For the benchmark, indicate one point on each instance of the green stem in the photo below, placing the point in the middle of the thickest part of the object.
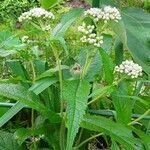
(141, 117)
(32, 110)
(87, 140)
(62, 128)
(80, 135)
(87, 64)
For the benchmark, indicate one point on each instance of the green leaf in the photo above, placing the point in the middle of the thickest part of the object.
(19, 93)
(97, 3)
(116, 131)
(75, 93)
(22, 134)
(5, 53)
(108, 66)
(48, 3)
(101, 92)
(95, 66)
(8, 142)
(66, 22)
(11, 113)
(40, 85)
(123, 105)
(50, 72)
(18, 69)
(7, 40)
(135, 35)
(114, 146)
(118, 51)
(145, 138)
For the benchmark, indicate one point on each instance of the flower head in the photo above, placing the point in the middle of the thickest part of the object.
(25, 39)
(89, 36)
(107, 13)
(129, 68)
(36, 13)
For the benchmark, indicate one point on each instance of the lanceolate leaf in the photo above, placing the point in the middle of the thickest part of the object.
(108, 66)
(19, 93)
(76, 95)
(117, 131)
(66, 21)
(40, 85)
(10, 113)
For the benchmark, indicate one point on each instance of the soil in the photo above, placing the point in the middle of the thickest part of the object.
(77, 4)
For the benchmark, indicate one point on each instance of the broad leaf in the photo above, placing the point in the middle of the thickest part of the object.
(66, 21)
(75, 93)
(118, 132)
(7, 141)
(7, 40)
(136, 35)
(19, 93)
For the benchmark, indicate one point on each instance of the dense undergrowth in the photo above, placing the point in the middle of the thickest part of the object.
(74, 78)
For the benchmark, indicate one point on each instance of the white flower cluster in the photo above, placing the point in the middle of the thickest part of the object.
(46, 28)
(129, 68)
(89, 36)
(107, 13)
(25, 39)
(36, 13)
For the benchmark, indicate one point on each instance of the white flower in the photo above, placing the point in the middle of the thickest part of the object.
(89, 36)
(36, 13)
(129, 68)
(25, 39)
(46, 28)
(106, 13)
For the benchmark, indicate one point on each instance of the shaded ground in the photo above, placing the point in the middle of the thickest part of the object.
(77, 3)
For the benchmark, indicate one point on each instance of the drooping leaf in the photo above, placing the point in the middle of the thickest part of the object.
(7, 141)
(19, 93)
(66, 21)
(75, 93)
(118, 132)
